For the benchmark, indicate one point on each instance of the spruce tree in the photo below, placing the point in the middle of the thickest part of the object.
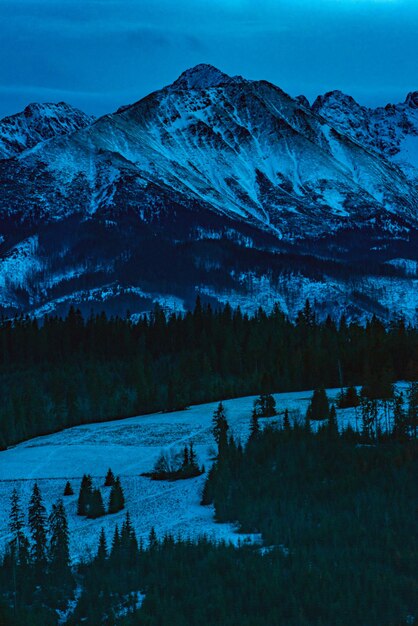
(19, 543)
(220, 428)
(318, 408)
(332, 422)
(413, 408)
(192, 458)
(84, 496)
(102, 548)
(110, 478)
(152, 539)
(286, 421)
(115, 547)
(68, 490)
(400, 418)
(117, 499)
(269, 405)
(254, 426)
(95, 507)
(59, 551)
(185, 457)
(37, 525)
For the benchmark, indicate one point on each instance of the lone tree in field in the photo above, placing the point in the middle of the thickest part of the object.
(68, 490)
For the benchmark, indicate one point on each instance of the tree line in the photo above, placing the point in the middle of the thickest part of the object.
(62, 372)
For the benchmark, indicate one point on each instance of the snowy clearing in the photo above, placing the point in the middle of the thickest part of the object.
(131, 446)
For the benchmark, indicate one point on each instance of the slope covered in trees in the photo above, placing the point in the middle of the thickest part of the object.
(69, 371)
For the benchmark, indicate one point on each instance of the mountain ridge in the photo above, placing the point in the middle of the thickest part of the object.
(201, 165)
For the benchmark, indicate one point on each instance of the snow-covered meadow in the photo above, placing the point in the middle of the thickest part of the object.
(130, 447)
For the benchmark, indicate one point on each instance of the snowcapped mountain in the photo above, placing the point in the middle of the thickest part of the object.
(36, 123)
(391, 131)
(215, 183)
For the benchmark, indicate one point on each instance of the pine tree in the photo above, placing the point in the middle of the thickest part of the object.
(185, 457)
(84, 497)
(59, 551)
(110, 478)
(286, 421)
(115, 548)
(102, 548)
(254, 426)
(413, 408)
(400, 418)
(152, 539)
(332, 422)
(37, 525)
(351, 397)
(220, 428)
(19, 543)
(117, 499)
(192, 458)
(318, 408)
(68, 490)
(95, 507)
(269, 405)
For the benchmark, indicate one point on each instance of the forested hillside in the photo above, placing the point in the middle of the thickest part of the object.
(63, 372)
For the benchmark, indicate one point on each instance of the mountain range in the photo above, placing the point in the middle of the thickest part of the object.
(215, 185)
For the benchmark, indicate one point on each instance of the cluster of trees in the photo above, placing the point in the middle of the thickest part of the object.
(90, 501)
(340, 511)
(348, 398)
(113, 367)
(318, 408)
(265, 405)
(176, 466)
(376, 417)
(40, 559)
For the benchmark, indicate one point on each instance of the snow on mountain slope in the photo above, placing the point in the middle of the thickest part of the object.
(37, 123)
(238, 159)
(242, 148)
(392, 131)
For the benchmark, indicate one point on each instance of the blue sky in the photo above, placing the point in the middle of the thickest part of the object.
(100, 54)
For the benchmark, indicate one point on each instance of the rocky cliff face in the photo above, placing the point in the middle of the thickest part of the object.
(216, 184)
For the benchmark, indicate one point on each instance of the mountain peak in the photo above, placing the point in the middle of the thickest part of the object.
(412, 99)
(334, 98)
(202, 76)
(38, 122)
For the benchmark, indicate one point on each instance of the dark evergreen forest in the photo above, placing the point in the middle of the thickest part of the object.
(62, 372)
